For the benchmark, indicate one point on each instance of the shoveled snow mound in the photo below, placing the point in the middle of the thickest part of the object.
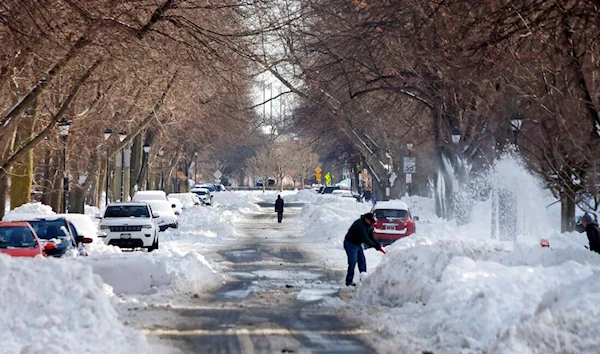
(473, 296)
(55, 306)
(164, 271)
(414, 266)
(28, 210)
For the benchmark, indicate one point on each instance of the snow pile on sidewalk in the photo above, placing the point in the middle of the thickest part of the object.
(28, 210)
(54, 306)
(452, 289)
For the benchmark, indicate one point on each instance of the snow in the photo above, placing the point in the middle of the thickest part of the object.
(445, 289)
(397, 205)
(29, 210)
(52, 306)
(453, 289)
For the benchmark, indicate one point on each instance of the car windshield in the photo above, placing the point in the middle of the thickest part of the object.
(390, 213)
(329, 190)
(16, 236)
(127, 211)
(200, 192)
(49, 229)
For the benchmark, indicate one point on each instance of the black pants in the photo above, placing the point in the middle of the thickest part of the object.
(279, 216)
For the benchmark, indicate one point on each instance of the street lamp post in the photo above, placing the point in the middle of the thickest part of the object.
(122, 136)
(147, 153)
(162, 172)
(107, 134)
(195, 167)
(409, 147)
(516, 121)
(63, 130)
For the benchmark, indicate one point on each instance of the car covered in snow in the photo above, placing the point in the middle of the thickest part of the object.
(394, 221)
(142, 196)
(188, 200)
(55, 229)
(18, 239)
(165, 212)
(130, 225)
(204, 195)
(178, 209)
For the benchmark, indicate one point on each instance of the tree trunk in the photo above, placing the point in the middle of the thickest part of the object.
(46, 176)
(3, 188)
(77, 199)
(567, 212)
(136, 164)
(56, 193)
(22, 175)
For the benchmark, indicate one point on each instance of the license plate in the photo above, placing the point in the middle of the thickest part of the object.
(390, 227)
(125, 235)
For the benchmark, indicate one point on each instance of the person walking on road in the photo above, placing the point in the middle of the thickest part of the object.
(593, 232)
(360, 232)
(279, 208)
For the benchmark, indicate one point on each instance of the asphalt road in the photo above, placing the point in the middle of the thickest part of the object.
(271, 303)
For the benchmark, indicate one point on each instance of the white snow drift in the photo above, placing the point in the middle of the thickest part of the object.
(52, 306)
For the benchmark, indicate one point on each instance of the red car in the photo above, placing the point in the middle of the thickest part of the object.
(394, 222)
(18, 239)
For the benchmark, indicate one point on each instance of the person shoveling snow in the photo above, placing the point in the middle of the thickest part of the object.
(593, 232)
(361, 232)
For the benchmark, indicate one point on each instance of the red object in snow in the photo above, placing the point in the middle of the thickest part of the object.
(544, 243)
(382, 250)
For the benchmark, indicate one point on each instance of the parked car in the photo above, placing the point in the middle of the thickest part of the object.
(220, 187)
(329, 189)
(130, 225)
(259, 182)
(187, 199)
(178, 209)
(204, 195)
(211, 187)
(18, 239)
(142, 196)
(56, 229)
(166, 215)
(343, 193)
(83, 229)
(394, 221)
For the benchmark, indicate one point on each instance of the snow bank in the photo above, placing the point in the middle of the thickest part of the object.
(453, 289)
(49, 305)
(28, 210)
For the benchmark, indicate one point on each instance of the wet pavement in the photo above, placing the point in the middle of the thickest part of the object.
(271, 304)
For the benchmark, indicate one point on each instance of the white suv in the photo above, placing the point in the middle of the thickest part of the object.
(130, 225)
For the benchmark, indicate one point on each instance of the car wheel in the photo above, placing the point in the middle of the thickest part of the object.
(154, 245)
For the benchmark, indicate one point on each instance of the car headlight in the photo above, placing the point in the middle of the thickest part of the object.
(104, 227)
(146, 226)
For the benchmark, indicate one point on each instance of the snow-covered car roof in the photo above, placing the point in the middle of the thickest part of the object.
(199, 189)
(129, 203)
(150, 195)
(393, 204)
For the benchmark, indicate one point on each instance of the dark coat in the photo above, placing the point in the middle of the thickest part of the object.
(593, 234)
(360, 233)
(279, 205)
